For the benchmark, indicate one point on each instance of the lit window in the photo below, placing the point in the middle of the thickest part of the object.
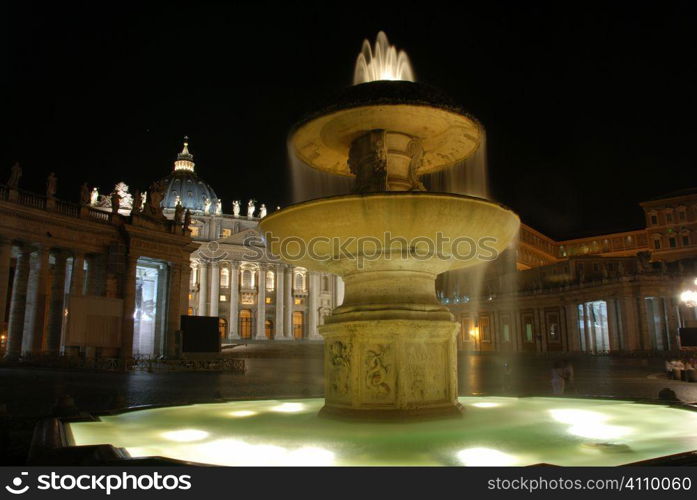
(268, 300)
(225, 233)
(225, 277)
(270, 280)
(299, 281)
(194, 231)
(223, 298)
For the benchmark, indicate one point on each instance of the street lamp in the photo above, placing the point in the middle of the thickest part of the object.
(689, 296)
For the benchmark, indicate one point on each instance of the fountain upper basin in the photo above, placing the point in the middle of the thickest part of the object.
(370, 231)
(322, 139)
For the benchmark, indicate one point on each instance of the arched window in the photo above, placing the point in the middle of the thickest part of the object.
(270, 280)
(298, 324)
(222, 328)
(299, 281)
(268, 329)
(247, 278)
(245, 323)
(224, 277)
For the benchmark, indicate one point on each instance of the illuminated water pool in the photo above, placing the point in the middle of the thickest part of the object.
(494, 431)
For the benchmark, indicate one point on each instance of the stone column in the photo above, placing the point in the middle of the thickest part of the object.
(129, 307)
(312, 309)
(339, 291)
(96, 275)
(37, 297)
(261, 303)
(202, 288)
(77, 279)
(646, 342)
(612, 325)
(280, 333)
(18, 304)
(176, 282)
(215, 289)
(5, 257)
(55, 313)
(630, 327)
(289, 303)
(233, 325)
(571, 318)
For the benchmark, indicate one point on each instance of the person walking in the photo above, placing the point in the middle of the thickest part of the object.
(558, 378)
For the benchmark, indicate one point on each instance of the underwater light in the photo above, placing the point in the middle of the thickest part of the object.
(242, 413)
(473, 457)
(486, 405)
(580, 417)
(185, 435)
(595, 430)
(289, 407)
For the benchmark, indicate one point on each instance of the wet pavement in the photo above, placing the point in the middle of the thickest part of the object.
(297, 372)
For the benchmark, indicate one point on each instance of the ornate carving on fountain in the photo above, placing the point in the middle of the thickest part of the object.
(378, 372)
(339, 369)
(383, 160)
(368, 162)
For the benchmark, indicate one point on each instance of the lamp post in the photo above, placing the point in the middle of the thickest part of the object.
(689, 296)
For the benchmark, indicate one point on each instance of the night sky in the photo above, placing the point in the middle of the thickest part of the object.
(588, 110)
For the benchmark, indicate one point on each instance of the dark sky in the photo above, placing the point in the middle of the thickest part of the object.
(588, 109)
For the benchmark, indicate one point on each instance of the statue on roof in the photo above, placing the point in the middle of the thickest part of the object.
(15, 174)
(262, 211)
(179, 214)
(51, 183)
(137, 202)
(94, 196)
(187, 221)
(84, 194)
(218, 207)
(250, 209)
(236, 208)
(115, 202)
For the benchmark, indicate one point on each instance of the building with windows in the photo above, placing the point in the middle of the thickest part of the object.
(82, 281)
(609, 293)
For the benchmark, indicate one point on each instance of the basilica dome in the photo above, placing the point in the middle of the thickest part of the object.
(185, 187)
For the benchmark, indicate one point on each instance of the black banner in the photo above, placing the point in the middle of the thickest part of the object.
(221, 482)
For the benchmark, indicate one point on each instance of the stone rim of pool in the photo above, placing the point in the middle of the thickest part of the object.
(561, 431)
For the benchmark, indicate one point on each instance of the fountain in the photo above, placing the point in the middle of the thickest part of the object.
(390, 351)
(390, 348)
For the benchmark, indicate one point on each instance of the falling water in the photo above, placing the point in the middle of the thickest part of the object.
(309, 183)
(381, 62)
(470, 177)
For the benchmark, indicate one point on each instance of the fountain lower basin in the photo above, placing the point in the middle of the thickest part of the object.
(498, 431)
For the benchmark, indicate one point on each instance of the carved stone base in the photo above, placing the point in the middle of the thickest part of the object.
(390, 369)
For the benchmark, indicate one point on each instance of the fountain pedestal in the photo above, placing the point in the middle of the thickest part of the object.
(390, 368)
